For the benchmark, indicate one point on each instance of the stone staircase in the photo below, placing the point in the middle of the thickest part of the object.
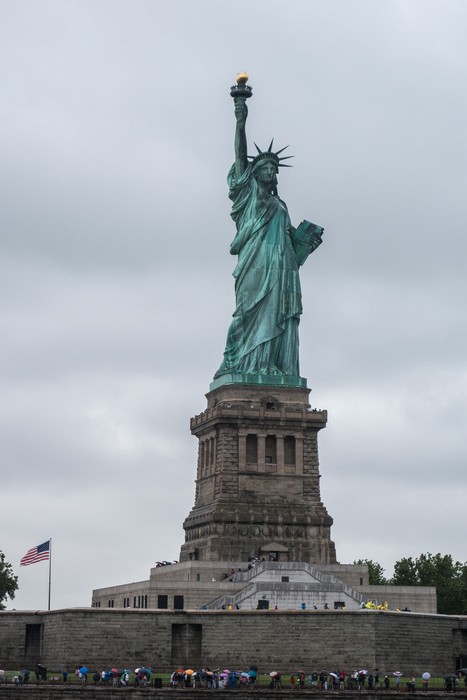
(310, 584)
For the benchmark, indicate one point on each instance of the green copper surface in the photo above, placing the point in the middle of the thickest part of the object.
(264, 379)
(262, 341)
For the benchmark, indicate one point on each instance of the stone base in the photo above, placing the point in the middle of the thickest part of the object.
(258, 585)
(257, 487)
(199, 585)
(271, 639)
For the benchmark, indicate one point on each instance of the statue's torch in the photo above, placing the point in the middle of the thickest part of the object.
(241, 89)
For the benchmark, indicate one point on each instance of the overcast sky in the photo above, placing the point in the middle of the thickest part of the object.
(116, 288)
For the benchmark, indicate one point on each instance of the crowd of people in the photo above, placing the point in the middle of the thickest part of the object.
(357, 680)
(111, 677)
(371, 605)
(114, 677)
(213, 678)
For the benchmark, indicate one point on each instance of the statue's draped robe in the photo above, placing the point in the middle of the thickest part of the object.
(263, 335)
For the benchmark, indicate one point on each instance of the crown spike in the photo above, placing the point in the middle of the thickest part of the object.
(269, 155)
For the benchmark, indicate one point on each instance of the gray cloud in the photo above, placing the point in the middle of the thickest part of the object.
(116, 284)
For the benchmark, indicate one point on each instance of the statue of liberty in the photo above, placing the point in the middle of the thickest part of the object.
(262, 341)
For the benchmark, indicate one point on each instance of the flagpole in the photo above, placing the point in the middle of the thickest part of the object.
(50, 568)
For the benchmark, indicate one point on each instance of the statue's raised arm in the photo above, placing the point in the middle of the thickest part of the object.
(240, 93)
(241, 149)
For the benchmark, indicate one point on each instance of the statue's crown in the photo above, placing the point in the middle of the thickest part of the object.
(270, 155)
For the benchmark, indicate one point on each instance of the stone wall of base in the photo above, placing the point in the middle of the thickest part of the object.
(415, 598)
(272, 640)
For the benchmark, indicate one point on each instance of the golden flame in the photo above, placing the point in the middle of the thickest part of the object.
(242, 78)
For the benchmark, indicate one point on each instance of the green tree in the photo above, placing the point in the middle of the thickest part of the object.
(8, 581)
(439, 570)
(375, 572)
(405, 573)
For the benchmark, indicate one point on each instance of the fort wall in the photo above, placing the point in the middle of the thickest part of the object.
(285, 640)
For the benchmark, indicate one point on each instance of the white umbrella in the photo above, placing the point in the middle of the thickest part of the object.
(426, 676)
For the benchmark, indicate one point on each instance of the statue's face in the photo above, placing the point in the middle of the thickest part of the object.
(266, 172)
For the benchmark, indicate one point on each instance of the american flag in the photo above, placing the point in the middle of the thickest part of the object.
(39, 553)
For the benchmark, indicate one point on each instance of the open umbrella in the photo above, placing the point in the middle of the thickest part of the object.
(244, 674)
(334, 675)
(397, 673)
(426, 676)
(189, 671)
(462, 670)
(273, 674)
(83, 670)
